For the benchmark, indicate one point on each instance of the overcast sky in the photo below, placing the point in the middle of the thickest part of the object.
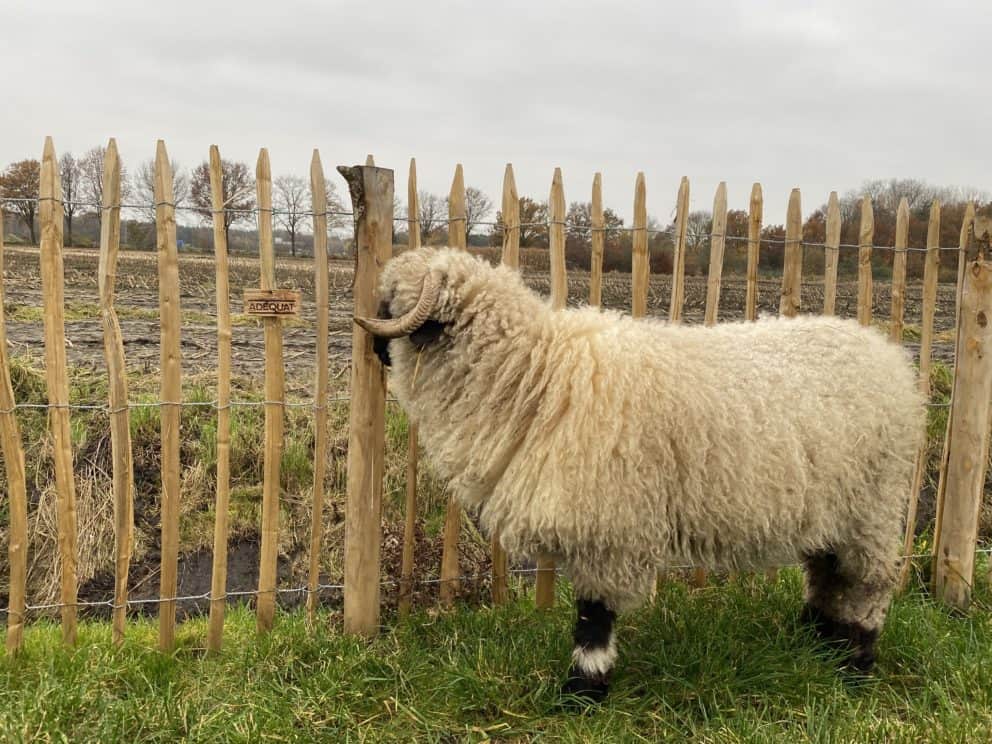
(817, 95)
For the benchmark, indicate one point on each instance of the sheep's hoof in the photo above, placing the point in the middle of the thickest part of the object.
(580, 690)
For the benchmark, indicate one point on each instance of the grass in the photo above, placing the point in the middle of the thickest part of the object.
(723, 664)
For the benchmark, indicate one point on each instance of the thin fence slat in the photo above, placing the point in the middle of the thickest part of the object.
(793, 262)
(754, 217)
(544, 591)
(218, 581)
(113, 353)
(170, 391)
(931, 275)
(511, 219)
(866, 236)
(321, 290)
(831, 255)
(714, 276)
(899, 272)
(640, 269)
(510, 257)
(57, 379)
(410, 520)
(598, 240)
(968, 435)
(450, 567)
(17, 500)
(371, 191)
(678, 254)
(966, 222)
(275, 394)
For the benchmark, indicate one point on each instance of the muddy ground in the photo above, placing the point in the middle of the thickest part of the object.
(137, 305)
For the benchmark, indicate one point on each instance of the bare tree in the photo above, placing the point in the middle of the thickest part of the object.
(22, 181)
(292, 205)
(697, 229)
(478, 206)
(238, 191)
(91, 179)
(433, 211)
(143, 190)
(71, 171)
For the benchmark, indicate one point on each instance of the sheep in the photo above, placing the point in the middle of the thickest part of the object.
(620, 447)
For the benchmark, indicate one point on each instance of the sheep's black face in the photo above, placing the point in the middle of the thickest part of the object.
(381, 345)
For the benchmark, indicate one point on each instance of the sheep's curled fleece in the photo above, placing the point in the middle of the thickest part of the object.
(621, 446)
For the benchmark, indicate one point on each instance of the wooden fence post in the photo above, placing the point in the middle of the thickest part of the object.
(218, 582)
(831, 255)
(931, 271)
(318, 201)
(410, 522)
(718, 235)
(544, 591)
(450, 565)
(640, 268)
(754, 217)
(170, 391)
(793, 261)
(113, 353)
(57, 377)
(275, 395)
(371, 191)
(969, 440)
(13, 460)
(899, 271)
(511, 220)
(597, 238)
(678, 257)
(966, 223)
(866, 235)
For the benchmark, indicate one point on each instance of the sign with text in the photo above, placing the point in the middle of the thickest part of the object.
(272, 303)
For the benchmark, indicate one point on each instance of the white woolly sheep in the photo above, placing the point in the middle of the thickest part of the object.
(620, 447)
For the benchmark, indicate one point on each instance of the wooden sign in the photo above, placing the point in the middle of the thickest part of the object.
(272, 303)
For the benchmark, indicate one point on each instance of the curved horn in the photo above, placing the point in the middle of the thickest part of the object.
(407, 324)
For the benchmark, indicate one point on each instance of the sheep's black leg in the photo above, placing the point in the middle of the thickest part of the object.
(845, 608)
(594, 653)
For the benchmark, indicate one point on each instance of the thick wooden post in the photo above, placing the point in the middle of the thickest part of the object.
(899, 272)
(831, 255)
(13, 460)
(866, 236)
(969, 440)
(793, 262)
(170, 391)
(57, 378)
(410, 523)
(318, 201)
(457, 217)
(113, 354)
(511, 219)
(371, 191)
(678, 257)
(598, 241)
(640, 269)
(754, 217)
(218, 582)
(964, 236)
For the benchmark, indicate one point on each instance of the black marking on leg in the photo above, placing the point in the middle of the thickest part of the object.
(594, 645)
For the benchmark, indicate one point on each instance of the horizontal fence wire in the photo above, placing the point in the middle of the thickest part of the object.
(179, 206)
(304, 590)
(104, 408)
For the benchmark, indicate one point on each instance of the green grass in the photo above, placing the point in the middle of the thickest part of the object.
(723, 664)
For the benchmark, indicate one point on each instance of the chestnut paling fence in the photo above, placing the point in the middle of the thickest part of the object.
(961, 468)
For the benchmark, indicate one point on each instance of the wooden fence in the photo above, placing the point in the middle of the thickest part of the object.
(962, 466)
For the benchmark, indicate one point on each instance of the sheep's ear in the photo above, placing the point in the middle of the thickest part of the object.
(428, 333)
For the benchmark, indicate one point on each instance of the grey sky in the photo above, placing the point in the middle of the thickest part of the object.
(817, 95)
